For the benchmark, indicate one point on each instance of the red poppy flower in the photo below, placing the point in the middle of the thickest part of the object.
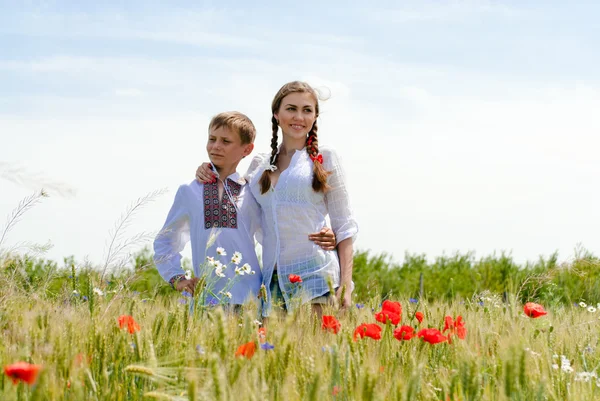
(23, 371)
(368, 330)
(432, 336)
(534, 310)
(455, 326)
(129, 322)
(336, 390)
(246, 350)
(391, 311)
(294, 278)
(262, 334)
(404, 333)
(330, 323)
(419, 316)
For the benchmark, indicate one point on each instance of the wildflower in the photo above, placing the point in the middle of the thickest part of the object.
(98, 291)
(22, 371)
(127, 320)
(76, 293)
(413, 300)
(432, 336)
(585, 376)
(85, 298)
(534, 310)
(419, 316)
(368, 330)
(583, 304)
(200, 350)
(565, 364)
(330, 323)
(591, 309)
(186, 294)
(294, 278)
(236, 258)
(404, 333)
(555, 366)
(182, 301)
(221, 251)
(360, 306)
(246, 350)
(336, 390)
(262, 334)
(247, 269)
(257, 322)
(267, 346)
(226, 293)
(391, 311)
(456, 327)
(188, 274)
(239, 271)
(211, 261)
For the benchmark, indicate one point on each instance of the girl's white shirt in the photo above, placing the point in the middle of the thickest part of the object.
(290, 211)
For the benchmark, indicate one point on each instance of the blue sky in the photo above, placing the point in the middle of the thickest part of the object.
(464, 125)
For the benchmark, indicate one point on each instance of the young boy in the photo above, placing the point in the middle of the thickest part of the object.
(220, 218)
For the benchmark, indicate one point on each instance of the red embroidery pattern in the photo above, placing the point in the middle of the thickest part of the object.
(220, 213)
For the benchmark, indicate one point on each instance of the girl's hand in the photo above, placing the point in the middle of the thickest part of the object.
(347, 300)
(324, 238)
(204, 174)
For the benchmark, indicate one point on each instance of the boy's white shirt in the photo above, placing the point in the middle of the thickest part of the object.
(185, 222)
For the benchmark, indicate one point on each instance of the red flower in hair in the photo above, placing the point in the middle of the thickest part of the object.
(419, 316)
(294, 278)
(330, 323)
(129, 321)
(246, 350)
(318, 158)
(391, 311)
(456, 327)
(432, 336)
(23, 371)
(404, 333)
(368, 330)
(534, 310)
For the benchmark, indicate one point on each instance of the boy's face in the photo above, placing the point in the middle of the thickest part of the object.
(225, 148)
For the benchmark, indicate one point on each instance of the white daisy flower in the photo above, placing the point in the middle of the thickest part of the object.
(210, 260)
(239, 271)
(236, 258)
(221, 251)
(257, 322)
(188, 274)
(247, 269)
(591, 309)
(583, 304)
(98, 291)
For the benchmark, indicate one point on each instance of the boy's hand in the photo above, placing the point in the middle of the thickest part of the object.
(324, 238)
(204, 174)
(187, 285)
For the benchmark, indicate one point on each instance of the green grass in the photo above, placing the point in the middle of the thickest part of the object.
(85, 356)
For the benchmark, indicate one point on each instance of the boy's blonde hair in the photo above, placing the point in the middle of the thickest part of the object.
(236, 122)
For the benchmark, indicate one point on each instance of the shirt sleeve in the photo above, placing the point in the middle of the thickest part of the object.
(173, 237)
(337, 199)
(254, 214)
(256, 166)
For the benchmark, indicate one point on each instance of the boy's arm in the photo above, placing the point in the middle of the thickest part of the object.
(171, 240)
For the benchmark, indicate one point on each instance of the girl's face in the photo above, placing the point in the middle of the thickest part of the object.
(297, 114)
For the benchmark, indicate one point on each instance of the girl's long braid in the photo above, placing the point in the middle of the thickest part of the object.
(265, 179)
(319, 181)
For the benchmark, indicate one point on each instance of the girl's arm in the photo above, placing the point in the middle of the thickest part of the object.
(346, 255)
